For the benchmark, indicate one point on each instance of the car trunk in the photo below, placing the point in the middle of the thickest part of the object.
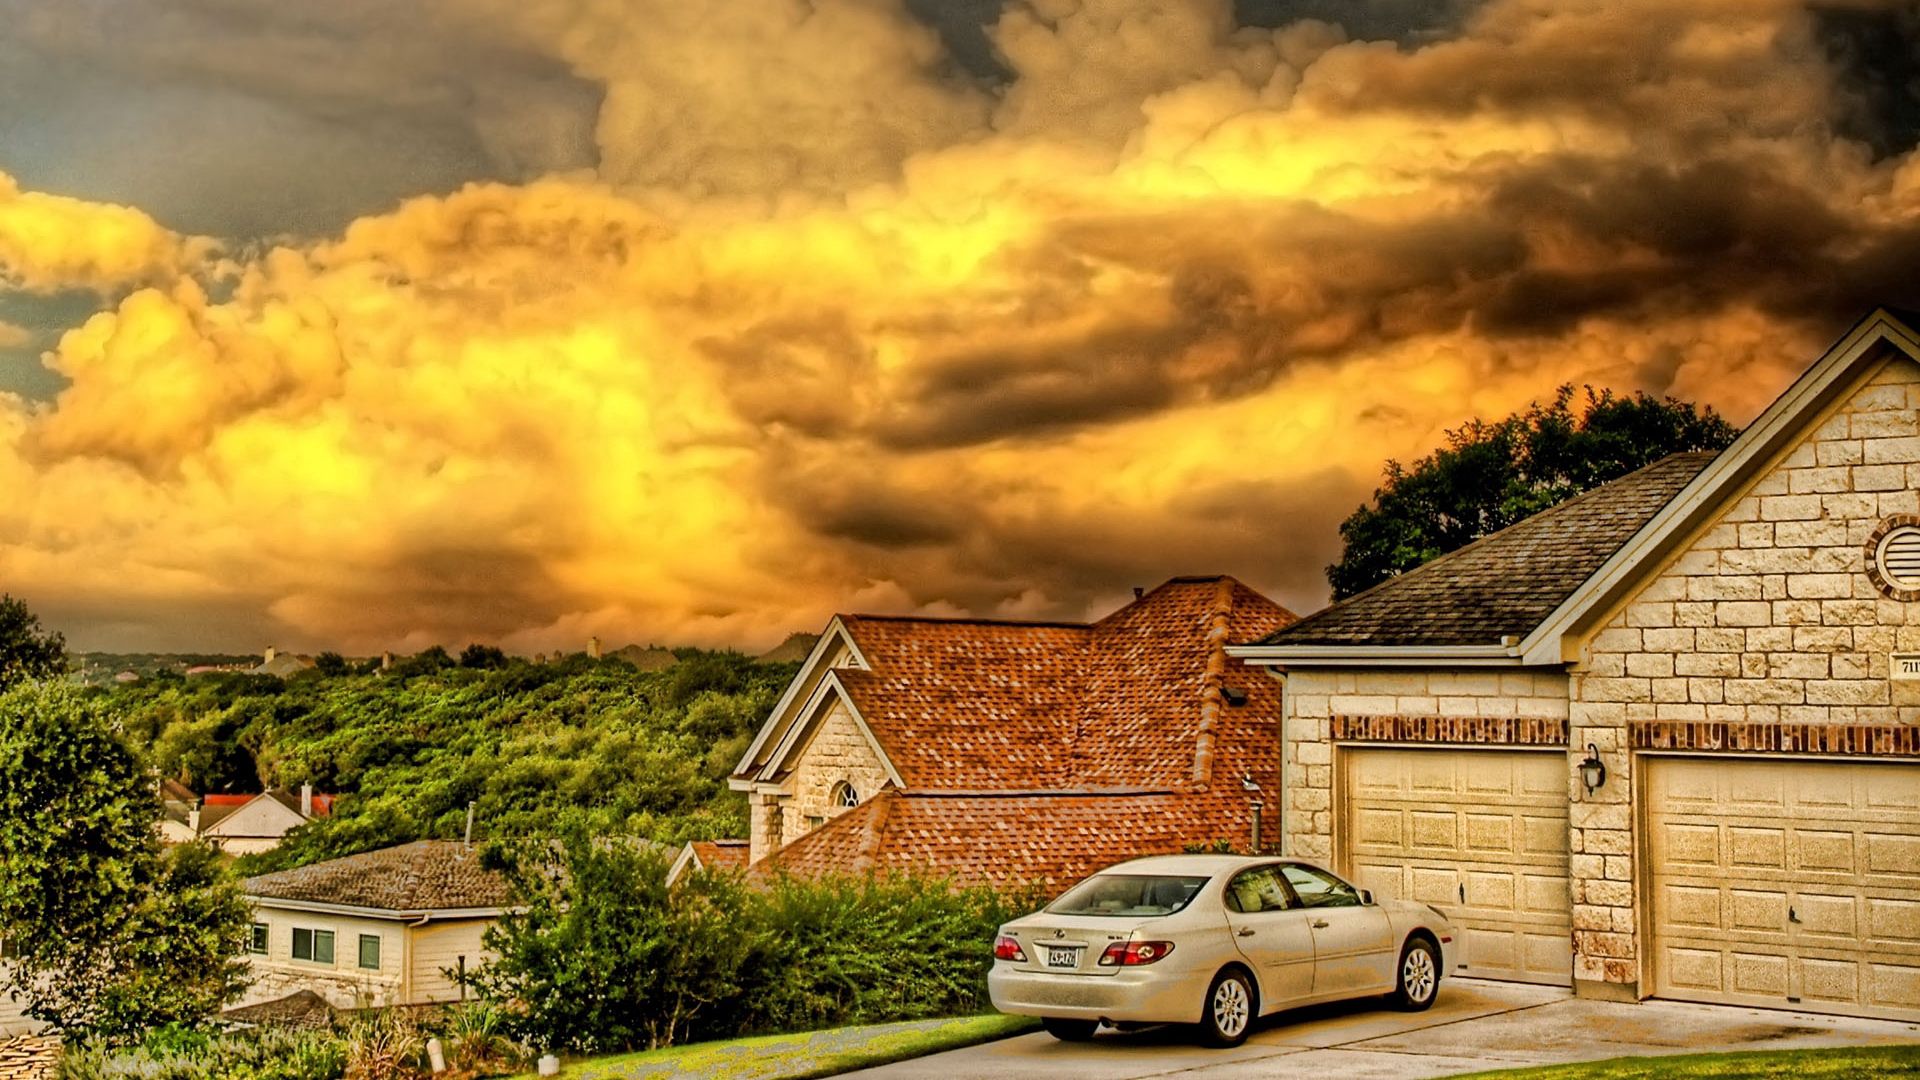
(1047, 938)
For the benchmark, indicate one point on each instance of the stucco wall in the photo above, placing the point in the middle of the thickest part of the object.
(1312, 698)
(1767, 617)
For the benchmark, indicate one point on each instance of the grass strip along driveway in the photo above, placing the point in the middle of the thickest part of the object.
(808, 1054)
(1842, 1063)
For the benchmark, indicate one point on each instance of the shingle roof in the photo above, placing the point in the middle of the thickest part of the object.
(1503, 584)
(977, 705)
(1012, 839)
(427, 875)
(721, 854)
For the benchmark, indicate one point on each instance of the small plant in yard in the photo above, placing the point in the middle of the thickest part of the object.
(182, 1054)
(385, 1045)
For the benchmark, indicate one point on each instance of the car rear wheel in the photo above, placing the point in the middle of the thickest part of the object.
(1419, 975)
(1229, 1011)
(1069, 1030)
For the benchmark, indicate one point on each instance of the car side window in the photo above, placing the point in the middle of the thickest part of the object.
(1258, 889)
(1318, 889)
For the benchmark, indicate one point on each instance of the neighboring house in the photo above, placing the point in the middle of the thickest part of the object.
(238, 824)
(275, 662)
(1019, 752)
(709, 855)
(1735, 638)
(388, 927)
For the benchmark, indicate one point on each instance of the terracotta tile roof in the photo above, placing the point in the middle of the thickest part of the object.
(427, 875)
(718, 854)
(981, 705)
(1013, 839)
(1507, 583)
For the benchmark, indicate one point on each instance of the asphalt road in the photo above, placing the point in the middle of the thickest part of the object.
(1473, 1026)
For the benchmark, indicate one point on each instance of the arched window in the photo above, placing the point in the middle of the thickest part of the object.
(843, 797)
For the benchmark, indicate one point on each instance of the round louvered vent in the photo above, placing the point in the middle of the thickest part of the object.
(1898, 557)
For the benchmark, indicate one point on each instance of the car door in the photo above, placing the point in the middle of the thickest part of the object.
(1270, 929)
(1353, 947)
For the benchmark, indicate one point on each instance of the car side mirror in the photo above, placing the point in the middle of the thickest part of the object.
(1366, 897)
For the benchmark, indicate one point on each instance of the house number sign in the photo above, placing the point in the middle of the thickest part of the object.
(1904, 666)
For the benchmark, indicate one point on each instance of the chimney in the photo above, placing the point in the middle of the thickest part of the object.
(386, 661)
(1138, 592)
(306, 800)
(270, 654)
(193, 818)
(593, 648)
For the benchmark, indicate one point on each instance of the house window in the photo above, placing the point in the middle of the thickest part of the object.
(257, 939)
(314, 945)
(814, 821)
(9, 950)
(370, 951)
(844, 797)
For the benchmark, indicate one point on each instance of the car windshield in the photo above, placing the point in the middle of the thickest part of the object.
(1128, 894)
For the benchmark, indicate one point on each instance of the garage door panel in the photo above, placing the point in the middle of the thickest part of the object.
(1481, 834)
(1786, 883)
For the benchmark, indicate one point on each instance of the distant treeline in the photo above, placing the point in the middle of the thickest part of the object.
(532, 746)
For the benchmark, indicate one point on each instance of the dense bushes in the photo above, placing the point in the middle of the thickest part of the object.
(606, 958)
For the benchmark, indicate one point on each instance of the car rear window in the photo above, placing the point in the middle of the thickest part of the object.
(1128, 894)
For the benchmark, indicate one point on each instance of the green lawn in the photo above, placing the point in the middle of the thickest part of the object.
(1843, 1063)
(808, 1054)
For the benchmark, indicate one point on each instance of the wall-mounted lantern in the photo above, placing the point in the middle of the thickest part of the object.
(1593, 771)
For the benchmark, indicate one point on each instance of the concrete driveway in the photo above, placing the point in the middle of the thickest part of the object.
(1474, 1025)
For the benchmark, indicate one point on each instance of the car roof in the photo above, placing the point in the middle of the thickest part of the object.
(1188, 864)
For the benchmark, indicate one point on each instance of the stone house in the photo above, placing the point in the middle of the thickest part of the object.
(389, 927)
(1663, 739)
(1019, 752)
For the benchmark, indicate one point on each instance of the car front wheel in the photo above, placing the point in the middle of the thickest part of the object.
(1229, 1011)
(1069, 1030)
(1419, 975)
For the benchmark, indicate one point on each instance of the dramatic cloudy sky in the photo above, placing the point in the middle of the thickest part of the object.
(368, 325)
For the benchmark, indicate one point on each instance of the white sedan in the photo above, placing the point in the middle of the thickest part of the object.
(1216, 940)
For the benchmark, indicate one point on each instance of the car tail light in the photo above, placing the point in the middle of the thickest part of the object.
(1005, 948)
(1134, 953)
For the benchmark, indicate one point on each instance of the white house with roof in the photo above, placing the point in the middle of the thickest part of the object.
(396, 926)
(1662, 740)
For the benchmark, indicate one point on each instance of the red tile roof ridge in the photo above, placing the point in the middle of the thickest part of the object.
(1219, 623)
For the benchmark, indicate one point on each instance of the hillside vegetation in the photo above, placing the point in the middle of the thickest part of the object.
(601, 743)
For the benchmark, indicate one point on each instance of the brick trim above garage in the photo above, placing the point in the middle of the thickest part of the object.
(1849, 740)
(1450, 730)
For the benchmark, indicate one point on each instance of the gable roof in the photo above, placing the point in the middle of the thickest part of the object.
(1010, 839)
(1505, 584)
(1133, 700)
(424, 876)
(709, 855)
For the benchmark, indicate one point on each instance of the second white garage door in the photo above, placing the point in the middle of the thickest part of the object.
(1481, 834)
(1786, 883)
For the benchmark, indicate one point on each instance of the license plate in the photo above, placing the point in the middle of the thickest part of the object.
(1062, 957)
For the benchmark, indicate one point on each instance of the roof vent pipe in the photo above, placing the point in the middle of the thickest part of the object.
(1138, 592)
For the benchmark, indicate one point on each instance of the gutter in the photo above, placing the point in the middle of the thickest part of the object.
(1506, 654)
(416, 917)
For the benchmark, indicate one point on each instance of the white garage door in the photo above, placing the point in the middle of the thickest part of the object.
(1786, 883)
(1481, 834)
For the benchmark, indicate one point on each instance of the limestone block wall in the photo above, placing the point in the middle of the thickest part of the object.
(1767, 617)
(838, 752)
(1314, 697)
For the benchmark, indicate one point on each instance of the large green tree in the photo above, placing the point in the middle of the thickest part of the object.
(1491, 474)
(27, 651)
(110, 936)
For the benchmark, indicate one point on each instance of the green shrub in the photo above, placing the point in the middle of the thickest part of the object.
(605, 958)
(176, 1054)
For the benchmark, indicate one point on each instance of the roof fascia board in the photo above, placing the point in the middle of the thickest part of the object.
(836, 630)
(800, 733)
(321, 907)
(687, 859)
(1377, 655)
(1756, 448)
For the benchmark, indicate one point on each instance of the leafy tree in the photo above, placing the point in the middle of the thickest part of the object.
(26, 651)
(1492, 474)
(604, 956)
(482, 657)
(429, 661)
(112, 936)
(331, 664)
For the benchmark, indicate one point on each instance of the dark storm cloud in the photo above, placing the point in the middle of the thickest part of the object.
(1878, 53)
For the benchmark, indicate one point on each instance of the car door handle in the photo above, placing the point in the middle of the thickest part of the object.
(1318, 924)
(1247, 932)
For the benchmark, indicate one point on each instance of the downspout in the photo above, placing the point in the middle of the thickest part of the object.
(406, 957)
